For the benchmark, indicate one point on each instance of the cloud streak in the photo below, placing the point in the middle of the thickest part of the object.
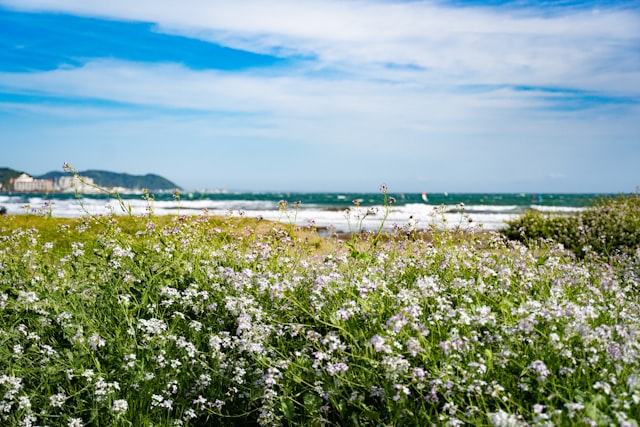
(444, 45)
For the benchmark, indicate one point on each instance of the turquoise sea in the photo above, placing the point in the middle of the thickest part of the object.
(322, 209)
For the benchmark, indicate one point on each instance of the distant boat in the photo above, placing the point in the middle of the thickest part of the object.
(424, 197)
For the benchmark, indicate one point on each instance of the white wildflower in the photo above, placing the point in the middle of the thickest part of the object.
(200, 402)
(413, 346)
(130, 361)
(24, 402)
(605, 386)
(47, 350)
(57, 400)
(119, 407)
(122, 252)
(17, 350)
(195, 325)
(103, 389)
(158, 401)
(336, 368)
(88, 374)
(95, 341)
(419, 374)
(379, 345)
(189, 414)
(63, 319)
(29, 420)
(633, 381)
(504, 419)
(402, 390)
(27, 298)
(75, 422)
(152, 326)
(204, 380)
(573, 408)
(540, 369)
(125, 299)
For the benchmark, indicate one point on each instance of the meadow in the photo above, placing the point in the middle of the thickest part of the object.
(201, 321)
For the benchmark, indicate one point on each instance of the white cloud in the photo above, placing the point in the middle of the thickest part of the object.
(590, 50)
(292, 101)
(295, 101)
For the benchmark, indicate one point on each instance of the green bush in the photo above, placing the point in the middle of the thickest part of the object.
(610, 225)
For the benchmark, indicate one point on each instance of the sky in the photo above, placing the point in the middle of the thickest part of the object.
(327, 95)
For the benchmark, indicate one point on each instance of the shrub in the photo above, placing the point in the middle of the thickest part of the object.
(610, 225)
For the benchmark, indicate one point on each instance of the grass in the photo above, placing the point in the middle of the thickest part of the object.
(199, 321)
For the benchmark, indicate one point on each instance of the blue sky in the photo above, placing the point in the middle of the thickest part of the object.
(289, 95)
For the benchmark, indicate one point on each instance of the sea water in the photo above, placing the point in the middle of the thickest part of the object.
(343, 212)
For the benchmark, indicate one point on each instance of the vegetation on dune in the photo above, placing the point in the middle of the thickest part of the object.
(194, 321)
(611, 225)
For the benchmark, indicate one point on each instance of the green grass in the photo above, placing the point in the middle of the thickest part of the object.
(199, 321)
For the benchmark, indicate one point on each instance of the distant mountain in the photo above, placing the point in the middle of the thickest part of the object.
(151, 182)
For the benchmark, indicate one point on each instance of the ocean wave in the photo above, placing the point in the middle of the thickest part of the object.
(325, 210)
(556, 209)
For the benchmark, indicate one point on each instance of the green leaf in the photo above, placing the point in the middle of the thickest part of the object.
(488, 360)
(312, 402)
(288, 408)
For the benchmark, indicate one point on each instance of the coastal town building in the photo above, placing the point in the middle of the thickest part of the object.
(65, 184)
(28, 184)
(81, 184)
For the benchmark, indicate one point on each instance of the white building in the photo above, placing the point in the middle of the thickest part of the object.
(81, 184)
(27, 184)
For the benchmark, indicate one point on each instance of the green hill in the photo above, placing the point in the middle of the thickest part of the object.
(5, 177)
(151, 182)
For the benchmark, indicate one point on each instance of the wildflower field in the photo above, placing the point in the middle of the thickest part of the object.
(199, 321)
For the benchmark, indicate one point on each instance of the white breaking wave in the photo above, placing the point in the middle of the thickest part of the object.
(555, 209)
(418, 216)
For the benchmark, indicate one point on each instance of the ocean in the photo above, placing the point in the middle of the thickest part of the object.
(324, 210)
